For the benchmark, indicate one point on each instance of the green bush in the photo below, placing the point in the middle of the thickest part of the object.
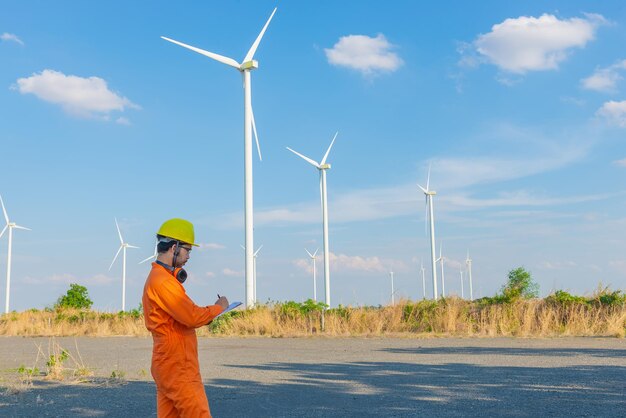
(610, 298)
(520, 285)
(563, 298)
(76, 297)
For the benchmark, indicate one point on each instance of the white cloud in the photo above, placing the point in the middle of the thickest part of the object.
(604, 79)
(362, 53)
(210, 274)
(527, 43)
(210, 246)
(123, 121)
(232, 273)
(621, 163)
(85, 97)
(10, 37)
(343, 262)
(614, 113)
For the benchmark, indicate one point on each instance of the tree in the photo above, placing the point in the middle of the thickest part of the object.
(76, 297)
(520, 284)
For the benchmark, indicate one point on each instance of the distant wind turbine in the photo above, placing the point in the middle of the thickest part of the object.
(248, 64)
(312, 256)
(462, 290)
(393, 301)
(443, 279)
(423, 280)
(123, 247)
(468, 261)
(322, 167)
(10, 225)
(430, 215)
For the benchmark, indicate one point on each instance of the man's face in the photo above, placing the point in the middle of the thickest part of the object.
(183, 255)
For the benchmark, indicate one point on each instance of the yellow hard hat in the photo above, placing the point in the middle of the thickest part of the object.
(178, 229)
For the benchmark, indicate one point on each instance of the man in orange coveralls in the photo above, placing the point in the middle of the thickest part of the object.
(171, 317)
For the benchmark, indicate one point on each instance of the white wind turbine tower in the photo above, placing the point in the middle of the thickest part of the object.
(10, 225)
(443, 279)
(312, 256)
(429, 203)
(468, 261)
(244, 67)
(462, 290)
(123, 246)
(253, 271)
(423, 279)
(322, 167)
(393, 301)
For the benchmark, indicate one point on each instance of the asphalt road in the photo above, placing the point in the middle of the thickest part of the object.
(338, 377)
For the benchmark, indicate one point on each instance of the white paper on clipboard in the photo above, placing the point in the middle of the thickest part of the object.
(230, 308)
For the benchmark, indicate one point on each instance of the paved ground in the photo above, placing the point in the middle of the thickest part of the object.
(250, 377)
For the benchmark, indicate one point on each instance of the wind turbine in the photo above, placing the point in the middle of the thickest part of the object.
(123, 246)
(248, 64)
(468, 261)
(322, 167)
(10, 225)
(314, 279)
(443, 280)
(429, 203)
(393, 302)
(462, 290)
(423, 280)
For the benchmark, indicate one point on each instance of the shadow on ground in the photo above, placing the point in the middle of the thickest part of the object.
(506, 351)
(363, 389)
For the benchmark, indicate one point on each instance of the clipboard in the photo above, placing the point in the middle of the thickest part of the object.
(230, 308)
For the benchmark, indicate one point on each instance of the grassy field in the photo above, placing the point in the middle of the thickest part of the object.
(560, 314)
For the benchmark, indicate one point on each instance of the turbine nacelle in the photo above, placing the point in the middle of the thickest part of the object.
(324, 166)
(249, 65)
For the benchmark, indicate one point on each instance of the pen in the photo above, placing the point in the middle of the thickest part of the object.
(218, 296)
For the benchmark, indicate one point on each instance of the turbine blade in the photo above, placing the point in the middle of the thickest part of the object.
(21, 227)
(257, 251)
(428, 179)
(6, 217)
(328, 150)
(423, 189)
(255, 45)
(119, 232)
(315, 253)
(149, 258)
(152, 256)
(307, 251)
(256, 136)
(242, 247)
(307, 159)
(115, 258)
(3, 229)
(131, 246)
(216, 57)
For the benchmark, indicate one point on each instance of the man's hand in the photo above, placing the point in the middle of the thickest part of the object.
(223, 302)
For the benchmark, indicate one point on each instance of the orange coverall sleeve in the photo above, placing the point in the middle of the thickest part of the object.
(174, 300)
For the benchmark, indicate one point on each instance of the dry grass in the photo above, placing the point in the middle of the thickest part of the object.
(448, 317)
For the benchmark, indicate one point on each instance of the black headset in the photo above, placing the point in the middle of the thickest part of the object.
(178, 272)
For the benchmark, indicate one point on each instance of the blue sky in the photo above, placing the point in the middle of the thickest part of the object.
(520, 110)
